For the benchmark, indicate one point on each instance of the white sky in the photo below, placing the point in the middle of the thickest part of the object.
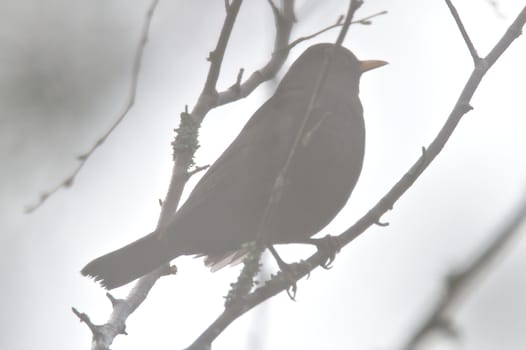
(64, 74)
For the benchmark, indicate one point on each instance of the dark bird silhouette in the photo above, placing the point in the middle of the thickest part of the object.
(229, 207)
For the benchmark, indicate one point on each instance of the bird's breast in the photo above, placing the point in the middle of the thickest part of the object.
(322, 172)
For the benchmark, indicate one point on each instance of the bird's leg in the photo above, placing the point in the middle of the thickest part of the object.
(328, 246)
(281, 264)
(287, 271)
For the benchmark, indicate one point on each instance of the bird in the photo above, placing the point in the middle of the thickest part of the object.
(314, 145)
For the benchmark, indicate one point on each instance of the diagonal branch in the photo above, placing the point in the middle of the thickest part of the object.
(284, 21)
(463, 31)
(280, 283)
(354, 5)
(365, 21)
(208, 99)
(83, 158)
(459, 282)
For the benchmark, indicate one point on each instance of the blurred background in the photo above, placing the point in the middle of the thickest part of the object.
(65, 72)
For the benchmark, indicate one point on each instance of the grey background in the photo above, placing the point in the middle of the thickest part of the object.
(64, 75)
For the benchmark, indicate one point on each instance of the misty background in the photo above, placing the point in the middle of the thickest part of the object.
(65, 71)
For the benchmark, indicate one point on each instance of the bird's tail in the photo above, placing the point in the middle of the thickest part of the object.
(128, 263)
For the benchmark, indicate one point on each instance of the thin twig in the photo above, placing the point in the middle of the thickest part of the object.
(197, 169)
(464, 32)
(85, 319)
(284, 21)
(460, 282)
(365, 21)
(208, 99)
(354, 5)
(279, 284)
(313, 35)
(83, 158)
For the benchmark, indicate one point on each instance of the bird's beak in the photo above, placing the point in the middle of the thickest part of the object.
(371, 64)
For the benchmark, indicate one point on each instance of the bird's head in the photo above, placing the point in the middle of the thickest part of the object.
(343, 69)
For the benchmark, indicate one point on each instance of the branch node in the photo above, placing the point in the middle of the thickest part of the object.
(236, 87)
(308, 37)
(239, 77)
(367, 20)
(168, 270)
(481, 64)
(419, 165)
(196, 169)
(275, 9)
(423, 157)
(381, 224)
(354, 5)
(463, 31)
(464, 107)
(246, 279)
(95, 329)
(186, 138)
(211, 56)
(173, 270)
(114, 301)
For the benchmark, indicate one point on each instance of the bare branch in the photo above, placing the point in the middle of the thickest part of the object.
(103, 335)
(183, 153)
(313, 35)
(354, 5)
(95, 330)
(83, 158)
(339, 23)
(460, 281)
(216, 56)
(463, 31)
(284, 21)
(197, 169)
(367, 20)
(281, 283)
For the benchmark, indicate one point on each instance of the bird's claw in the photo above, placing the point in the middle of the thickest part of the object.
(291, 291)
(328, 246)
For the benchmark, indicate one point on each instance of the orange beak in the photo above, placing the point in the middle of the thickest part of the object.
(371, 64)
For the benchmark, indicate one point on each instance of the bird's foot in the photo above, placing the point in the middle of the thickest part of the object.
(292, 289)
(290, 272)
(328, 246)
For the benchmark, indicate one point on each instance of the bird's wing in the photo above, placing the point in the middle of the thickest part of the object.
(253, 144)
(258, 151)
(226, 204)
